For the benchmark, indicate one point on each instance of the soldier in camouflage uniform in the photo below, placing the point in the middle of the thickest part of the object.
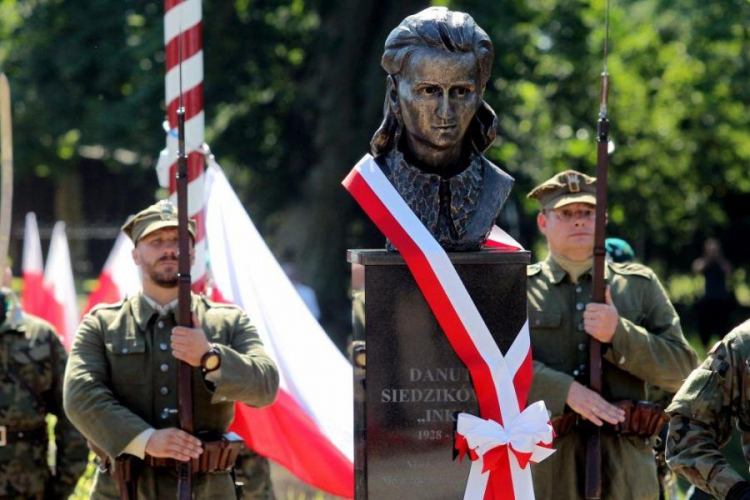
(32, 363)
(121, 378)
(642, 344)
(254, 472)
(714, 398)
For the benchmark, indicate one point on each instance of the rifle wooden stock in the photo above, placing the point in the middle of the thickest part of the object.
(185, 371)
(598, 295)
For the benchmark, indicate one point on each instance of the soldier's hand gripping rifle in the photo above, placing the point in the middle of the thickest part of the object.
(185, 371)
(598, 292)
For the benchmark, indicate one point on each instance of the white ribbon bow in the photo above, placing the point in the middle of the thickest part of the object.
(523, 434)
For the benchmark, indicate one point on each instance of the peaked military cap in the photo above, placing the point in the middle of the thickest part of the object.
(158, 216)
(565, 188)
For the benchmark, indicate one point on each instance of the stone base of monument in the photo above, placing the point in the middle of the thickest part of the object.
(414, 384)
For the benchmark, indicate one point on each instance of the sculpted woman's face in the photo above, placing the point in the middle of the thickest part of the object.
(438, 94)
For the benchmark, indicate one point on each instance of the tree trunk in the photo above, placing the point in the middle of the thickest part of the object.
(349, 93)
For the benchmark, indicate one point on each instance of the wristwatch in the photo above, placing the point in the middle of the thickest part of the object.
(211, 360)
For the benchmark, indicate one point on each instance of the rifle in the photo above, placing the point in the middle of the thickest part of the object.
(6, 191)
(185, 371)
(598, 289)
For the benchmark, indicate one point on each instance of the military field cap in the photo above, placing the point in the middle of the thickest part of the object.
(565, 188)
(158, 216)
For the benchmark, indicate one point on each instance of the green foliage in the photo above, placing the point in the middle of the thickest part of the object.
(678, 107)
(293, 91)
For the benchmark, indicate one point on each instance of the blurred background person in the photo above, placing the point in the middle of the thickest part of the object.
(714, 309)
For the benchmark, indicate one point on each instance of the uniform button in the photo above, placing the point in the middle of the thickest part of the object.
(575, 373)
(160, 324)
(163, 346)
(164, 391)
(580, 306)
(124, 350)
(578, 289)
(223, 398)
(582, 368)
(581, 347)
(164, 367)
(580, 327)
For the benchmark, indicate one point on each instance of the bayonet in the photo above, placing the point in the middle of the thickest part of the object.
(6, 156)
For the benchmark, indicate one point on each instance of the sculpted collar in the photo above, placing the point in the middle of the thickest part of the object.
(431, 196)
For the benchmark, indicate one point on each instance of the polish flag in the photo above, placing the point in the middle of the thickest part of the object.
(309, 428)
(62, 308)
(120, 276)
(34, 299)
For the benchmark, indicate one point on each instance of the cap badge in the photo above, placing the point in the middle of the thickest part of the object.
(167, 209)
(574, 184)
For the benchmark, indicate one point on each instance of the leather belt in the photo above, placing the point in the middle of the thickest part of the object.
(8, 436)
(217, 456)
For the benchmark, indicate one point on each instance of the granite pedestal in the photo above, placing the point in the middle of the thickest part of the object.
(413, 384)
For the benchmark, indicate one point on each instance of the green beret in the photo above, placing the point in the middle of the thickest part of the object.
(158, 216)
(565, 188)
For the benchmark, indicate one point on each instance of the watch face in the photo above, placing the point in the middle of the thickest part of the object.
(212, 362)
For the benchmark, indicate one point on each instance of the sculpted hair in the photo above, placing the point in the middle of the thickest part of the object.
(442, 29)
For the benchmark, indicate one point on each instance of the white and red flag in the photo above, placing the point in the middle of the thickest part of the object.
(507, 435)
(34, 298)
(309, 428)
(62, 308)
(120, 276)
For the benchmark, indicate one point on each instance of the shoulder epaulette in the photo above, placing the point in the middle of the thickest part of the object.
(213, 304)
(533, 269)
(632, 269)
(103, 305)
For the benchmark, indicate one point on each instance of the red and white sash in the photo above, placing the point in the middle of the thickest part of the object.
(505, 438)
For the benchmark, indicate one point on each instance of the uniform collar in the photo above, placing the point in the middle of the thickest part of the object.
(144, 308)
(555, 273)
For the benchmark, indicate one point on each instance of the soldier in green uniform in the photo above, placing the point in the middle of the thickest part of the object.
(642, 344)
(715, 398)
(121, 379)
(32, 363)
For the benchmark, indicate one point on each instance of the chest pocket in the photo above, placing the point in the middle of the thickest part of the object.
(546, 336)
(33, 364)
(128, 359)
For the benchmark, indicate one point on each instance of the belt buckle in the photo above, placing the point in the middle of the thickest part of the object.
(3, 436)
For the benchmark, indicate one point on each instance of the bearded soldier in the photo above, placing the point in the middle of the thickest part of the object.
(121, 379)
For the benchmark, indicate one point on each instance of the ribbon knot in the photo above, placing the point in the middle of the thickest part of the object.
(529, 436)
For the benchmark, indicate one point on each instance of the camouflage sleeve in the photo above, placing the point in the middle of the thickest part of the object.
(657, 351)
(702, 414)
(248, 374)
(87, 397)
(72, 452)
(551, 386)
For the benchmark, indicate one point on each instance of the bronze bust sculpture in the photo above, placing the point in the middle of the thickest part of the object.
(437, 126)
